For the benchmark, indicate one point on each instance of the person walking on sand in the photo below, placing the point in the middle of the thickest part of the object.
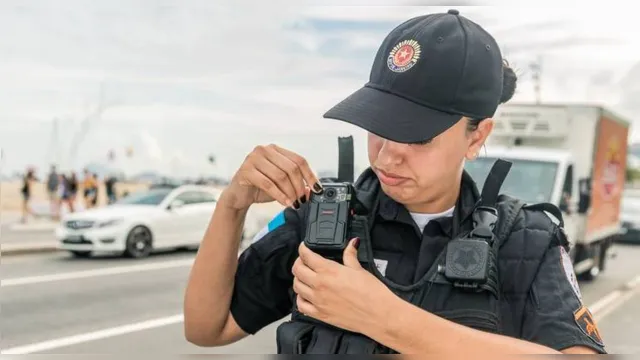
(26, 190)
(53, 183)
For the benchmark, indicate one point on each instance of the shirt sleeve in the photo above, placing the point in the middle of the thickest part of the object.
(555, 315)
(263, 280)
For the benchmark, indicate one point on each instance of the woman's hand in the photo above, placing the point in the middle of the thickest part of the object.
(271, 173)
(346, 296)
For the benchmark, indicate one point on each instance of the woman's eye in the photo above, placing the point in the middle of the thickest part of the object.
(423, 142)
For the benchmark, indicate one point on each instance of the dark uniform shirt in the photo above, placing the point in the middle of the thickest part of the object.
(264, 280)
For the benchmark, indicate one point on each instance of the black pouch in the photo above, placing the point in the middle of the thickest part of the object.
(357, 344)
(293, 337)
(324, 341)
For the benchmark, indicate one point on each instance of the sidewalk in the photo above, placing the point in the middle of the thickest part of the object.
(28, 248)
(11, 221)
(34, 236)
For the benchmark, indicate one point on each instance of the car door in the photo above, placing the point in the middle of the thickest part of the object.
(204, 210)
(188, 217)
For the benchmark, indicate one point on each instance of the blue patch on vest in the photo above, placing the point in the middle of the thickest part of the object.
(276, 221)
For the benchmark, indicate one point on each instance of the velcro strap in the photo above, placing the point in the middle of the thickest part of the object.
(360, 229)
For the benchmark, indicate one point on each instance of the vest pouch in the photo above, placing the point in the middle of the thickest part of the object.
(323, 340)
(353, 343)
(473, 318)
(293, 337)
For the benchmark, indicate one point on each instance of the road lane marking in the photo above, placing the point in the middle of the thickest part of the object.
(92, 336)
(603, 307)
(599, 309)
(117, 270)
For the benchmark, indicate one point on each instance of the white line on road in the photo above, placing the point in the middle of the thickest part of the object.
(599, 309)
(615, 299)
(92, 336)
(94, 273)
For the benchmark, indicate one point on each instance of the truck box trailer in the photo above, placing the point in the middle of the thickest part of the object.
(573, 156)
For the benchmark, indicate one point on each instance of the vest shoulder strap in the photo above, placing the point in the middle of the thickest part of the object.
(493, 183)
(551, 210)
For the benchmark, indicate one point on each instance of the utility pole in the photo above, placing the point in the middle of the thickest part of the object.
(54, 155)
(536, 73)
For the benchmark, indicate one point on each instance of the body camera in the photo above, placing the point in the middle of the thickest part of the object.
(328, 220)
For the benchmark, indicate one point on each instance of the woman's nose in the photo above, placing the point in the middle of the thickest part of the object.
(391, 152)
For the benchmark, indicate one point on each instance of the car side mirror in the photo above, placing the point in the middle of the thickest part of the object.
(176, 204)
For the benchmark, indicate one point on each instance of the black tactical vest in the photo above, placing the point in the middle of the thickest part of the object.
(476, 307)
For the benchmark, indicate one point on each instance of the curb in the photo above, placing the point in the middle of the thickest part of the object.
(32, 228)
(10, 250)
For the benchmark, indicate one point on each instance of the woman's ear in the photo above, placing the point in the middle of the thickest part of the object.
(478, 137)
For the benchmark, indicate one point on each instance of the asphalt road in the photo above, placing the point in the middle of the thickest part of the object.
(53, 303)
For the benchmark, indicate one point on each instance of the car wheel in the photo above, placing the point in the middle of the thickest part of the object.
(81, 254)
(139, 242)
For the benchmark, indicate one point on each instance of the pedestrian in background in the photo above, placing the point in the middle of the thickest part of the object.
(53, 184)
(27, 190)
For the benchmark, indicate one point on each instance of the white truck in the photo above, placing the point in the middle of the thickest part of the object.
(573, 156)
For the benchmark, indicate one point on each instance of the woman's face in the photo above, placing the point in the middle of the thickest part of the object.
(415, 174)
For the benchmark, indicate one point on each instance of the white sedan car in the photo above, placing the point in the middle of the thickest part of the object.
(160, 218)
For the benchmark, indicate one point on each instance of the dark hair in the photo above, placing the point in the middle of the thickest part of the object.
(509, 82)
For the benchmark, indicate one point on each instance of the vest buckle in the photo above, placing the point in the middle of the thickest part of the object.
(467, 262)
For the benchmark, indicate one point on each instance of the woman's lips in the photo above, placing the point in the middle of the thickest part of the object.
(390, 179)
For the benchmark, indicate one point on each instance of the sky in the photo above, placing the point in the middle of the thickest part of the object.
(177, 81)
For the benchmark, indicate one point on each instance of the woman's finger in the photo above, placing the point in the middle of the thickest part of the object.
(277, 176)
(302, 289)
(304, 273)
(306, 307)
(308, 174)
(288, 166)
(264, 183)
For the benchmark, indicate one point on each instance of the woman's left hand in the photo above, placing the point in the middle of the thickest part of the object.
(346, 296)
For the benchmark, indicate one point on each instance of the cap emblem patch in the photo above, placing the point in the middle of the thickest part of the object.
(403, 56)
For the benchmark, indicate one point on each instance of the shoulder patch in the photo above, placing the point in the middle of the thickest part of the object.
(275, 223)
(587, 324)
(567, 266)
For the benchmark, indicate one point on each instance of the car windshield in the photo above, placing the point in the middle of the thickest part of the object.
(148, 197)
(528, 180)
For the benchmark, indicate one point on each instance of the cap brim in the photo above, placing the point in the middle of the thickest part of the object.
(392, 117)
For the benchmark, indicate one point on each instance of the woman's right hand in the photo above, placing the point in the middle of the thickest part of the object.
(271, 173)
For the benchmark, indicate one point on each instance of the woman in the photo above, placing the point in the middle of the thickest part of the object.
(435, 84)
(90, 187)
(70, 190)
(26, 190)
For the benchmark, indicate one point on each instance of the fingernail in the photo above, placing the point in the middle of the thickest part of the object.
(356, 242)
(303, 199)
(317, 187)
(296, 205)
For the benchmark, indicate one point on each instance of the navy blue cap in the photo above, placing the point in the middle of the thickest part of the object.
(429, 72)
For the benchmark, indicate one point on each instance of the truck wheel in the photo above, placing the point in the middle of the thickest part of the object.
(598, 262)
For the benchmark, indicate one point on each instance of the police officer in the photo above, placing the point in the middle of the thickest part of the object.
(435, 84)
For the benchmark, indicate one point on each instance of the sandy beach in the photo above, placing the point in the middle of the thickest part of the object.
(11, 197)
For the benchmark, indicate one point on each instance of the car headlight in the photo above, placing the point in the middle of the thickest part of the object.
(111, 222)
